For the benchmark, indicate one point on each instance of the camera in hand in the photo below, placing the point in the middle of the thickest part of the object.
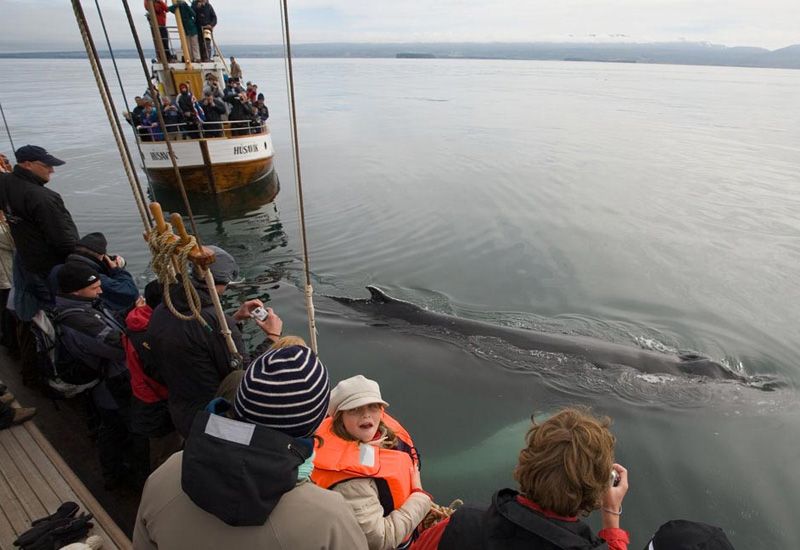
(259, 313)
(614, 478)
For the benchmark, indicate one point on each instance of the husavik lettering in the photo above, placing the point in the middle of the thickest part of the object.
(244, 149)
(159, 155)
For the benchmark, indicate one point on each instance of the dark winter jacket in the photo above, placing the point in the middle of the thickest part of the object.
(187, 17)
(192, 360)
(204, 15)
(41, 225)
(213, 112)
(119, 288)
(509, 525)
(91, 334)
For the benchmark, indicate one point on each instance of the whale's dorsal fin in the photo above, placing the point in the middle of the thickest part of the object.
(377, 295)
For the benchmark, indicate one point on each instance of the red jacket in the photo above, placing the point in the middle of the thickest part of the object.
(161, 11)
(144, 388)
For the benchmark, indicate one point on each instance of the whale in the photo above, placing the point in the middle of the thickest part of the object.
(601, 353)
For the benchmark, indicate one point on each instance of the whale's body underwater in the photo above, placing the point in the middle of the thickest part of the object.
(599, 352)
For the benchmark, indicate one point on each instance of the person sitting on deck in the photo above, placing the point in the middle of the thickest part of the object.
(214, 109)
(91, 336)
(160, 8)
(242, 480)
(563, 472)
(189, 27)
(194, 359)
(368, 457)
(119, 288)
(149, 410)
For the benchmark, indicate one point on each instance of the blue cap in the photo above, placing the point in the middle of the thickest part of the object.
(33, 153)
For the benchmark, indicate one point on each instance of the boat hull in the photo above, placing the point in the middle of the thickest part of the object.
(212, 165)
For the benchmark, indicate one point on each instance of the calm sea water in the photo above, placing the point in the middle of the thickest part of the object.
(654, 206)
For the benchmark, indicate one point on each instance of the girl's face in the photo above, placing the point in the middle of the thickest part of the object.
(362, 423)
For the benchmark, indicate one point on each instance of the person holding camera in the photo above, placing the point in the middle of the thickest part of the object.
(119, 289)
(193, 359)
(213, 109)
(565, 472)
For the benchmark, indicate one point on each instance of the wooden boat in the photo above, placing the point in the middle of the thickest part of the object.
(218, 157)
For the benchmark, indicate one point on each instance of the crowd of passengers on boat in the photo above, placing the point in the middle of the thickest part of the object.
(263, 451)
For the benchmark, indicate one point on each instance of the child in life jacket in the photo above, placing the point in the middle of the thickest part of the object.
(368, 457)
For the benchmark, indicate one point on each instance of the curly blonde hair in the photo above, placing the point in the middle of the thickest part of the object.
(566, 466)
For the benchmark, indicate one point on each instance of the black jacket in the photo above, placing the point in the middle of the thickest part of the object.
(41, 225)
(240, 482)
(509, 525)
(204, 15)
(214, 112)
(91, 334)
(191, 360)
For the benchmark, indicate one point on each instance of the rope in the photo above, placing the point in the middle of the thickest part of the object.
(309, 291)
(169, 258)
(8, 132)
(108, 104)
(124, 99)
(439, 512)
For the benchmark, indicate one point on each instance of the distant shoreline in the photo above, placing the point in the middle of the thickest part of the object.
(669, 53)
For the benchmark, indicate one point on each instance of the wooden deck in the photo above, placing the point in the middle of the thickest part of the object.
(35, 480)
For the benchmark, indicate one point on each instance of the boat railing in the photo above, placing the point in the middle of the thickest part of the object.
(202, 130)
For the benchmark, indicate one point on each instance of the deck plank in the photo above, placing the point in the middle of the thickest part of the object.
(43, 491)
(19, 484)
(56, 479)
(12, 508)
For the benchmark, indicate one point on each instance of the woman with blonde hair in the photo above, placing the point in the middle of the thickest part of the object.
(565, 472)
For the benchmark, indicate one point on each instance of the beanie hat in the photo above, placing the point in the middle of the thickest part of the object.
(96, 242)
(353, 393)
(681, 534)
(224, 269)
(153, 293)
(285, 389)
(74, 276)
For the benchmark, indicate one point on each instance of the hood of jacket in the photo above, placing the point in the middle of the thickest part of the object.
(139, 318)
(239, 471)
(180, 300)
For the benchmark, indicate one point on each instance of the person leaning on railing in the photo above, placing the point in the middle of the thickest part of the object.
(213, 109)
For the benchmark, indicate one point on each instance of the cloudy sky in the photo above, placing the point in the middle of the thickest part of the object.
(49, 24)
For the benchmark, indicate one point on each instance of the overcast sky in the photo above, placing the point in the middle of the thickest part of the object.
(50, 24)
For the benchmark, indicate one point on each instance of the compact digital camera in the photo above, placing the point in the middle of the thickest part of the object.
(259, 313)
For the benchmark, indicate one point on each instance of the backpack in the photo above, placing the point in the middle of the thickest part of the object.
(64, 376)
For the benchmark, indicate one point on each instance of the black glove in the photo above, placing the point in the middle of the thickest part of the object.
(66, 510)
(51, 534)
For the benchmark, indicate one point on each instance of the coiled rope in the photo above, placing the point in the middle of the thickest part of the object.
(168, 254)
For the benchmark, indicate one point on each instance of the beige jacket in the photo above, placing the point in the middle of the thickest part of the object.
(383, 533)
(307, 517)
(6, 256)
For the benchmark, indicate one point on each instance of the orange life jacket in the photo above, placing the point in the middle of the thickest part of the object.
(338, 460)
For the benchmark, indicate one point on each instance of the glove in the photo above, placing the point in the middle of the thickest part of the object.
(42, 526)
(66, 510)
(62, 532)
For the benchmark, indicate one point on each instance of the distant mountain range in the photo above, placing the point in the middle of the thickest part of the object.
(679, 53)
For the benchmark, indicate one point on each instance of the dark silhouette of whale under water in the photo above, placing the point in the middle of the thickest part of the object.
(598, 352)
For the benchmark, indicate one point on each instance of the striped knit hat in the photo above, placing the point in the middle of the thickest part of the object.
(286, 389)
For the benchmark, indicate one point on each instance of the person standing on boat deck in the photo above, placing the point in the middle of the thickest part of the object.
(119, 289)
(242, 112)
(186, 101)
(214, 109)
(236, 70)
(565, 471)
(194, 360)
(44, 234)
(242, 480)
(91, 335)
(206, 20)
(212, 85)
(189, 27)
(172, 118)
(261, 108)
(160, 8)
(149, 409)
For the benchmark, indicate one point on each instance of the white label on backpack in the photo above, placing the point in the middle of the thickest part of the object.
(366, 454)
(229, 429)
